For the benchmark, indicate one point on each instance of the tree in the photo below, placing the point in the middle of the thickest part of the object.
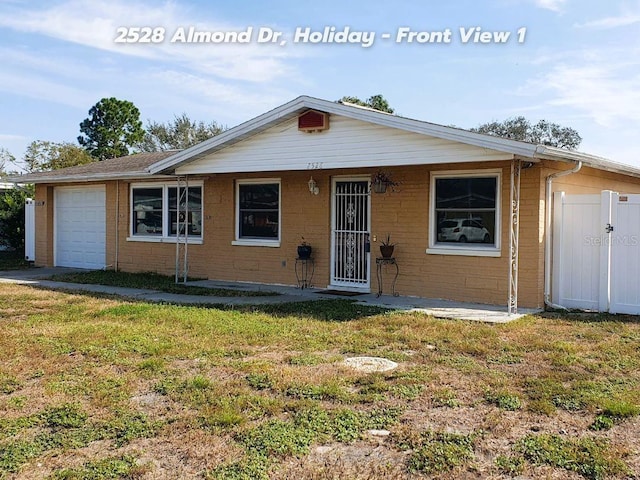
(12, 218)
(542, 133)
(377, 102)
(42, 155)
(112, 128)
(5, 157)
(177, 135)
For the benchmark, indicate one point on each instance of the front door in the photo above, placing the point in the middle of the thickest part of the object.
(350, 229)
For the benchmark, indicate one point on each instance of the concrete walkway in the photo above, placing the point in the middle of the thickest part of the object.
(435, 307)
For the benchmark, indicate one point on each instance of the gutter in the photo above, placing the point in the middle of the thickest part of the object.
(547, 234)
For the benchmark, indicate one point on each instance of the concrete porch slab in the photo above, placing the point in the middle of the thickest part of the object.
(430, 306)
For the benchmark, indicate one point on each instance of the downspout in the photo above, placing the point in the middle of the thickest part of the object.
(115, 267)
(547, 234)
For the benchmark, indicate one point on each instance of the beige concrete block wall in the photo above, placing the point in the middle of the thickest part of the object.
(44, 225)
(531, 245)
(302, 215)
(404, 214)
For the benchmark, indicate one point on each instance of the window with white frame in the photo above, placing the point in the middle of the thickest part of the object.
(258, 211)
(154, 210)
(465, 213)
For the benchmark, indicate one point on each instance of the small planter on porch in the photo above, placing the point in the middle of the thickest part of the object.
(304, 250)
(386, 247)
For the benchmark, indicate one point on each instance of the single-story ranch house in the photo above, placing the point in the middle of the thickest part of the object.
(469, 213)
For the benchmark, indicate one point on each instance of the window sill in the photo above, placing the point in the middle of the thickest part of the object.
(464, 251)
(150, 239)
(256, 243)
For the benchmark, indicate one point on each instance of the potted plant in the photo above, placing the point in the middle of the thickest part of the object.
(380, 181)
(386, 247)
(304, 250)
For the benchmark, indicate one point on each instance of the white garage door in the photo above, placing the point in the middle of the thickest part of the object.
(80, 227)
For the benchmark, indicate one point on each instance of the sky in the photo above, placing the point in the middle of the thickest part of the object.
(572, 62)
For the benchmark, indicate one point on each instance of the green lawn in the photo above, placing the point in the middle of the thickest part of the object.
(153, 281)
(102, 388)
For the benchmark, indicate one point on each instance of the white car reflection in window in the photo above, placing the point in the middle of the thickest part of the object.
(463, 230)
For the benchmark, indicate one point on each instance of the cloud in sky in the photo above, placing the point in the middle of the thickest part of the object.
(242, 79)
(611, 22)
(8, 136)
(599, 85)
(629, 14)
(94, 24)
(553, 5)
(60, 57)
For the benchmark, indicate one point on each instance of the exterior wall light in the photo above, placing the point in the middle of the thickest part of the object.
(313, 187)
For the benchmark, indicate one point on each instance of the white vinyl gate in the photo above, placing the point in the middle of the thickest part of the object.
(625, 254)
(596, 252)
(30, 230)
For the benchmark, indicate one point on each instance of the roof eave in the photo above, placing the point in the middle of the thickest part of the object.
(24, 179)
(288, 110)
(593, 161)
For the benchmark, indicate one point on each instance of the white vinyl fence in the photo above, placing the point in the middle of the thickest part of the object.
(596, 252)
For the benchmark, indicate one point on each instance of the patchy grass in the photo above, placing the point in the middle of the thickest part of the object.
(592, 458)
(445, 397)
(65, 428)
(437, 452)
(503, 399)
(614, 412)
(111, 467)
(96, 387)
(280, 439)
(153, 281)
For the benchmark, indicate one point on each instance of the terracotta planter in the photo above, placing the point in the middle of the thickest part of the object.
(386, 251)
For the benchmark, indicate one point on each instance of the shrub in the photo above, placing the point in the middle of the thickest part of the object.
(12, 218)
